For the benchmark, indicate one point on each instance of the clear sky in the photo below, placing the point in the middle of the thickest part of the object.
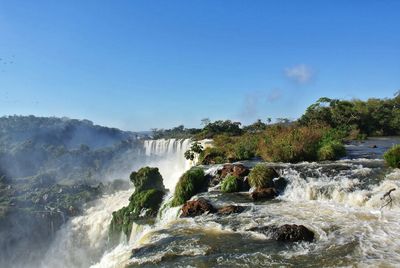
(143, 64)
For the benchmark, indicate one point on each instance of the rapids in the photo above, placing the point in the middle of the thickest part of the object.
(340, 201)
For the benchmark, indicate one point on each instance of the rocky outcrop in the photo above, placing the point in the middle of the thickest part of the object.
(196, 207)
(227, 210)
(264, 194)
(201, 206)
(286, 233)
(144, 203)
(237, 170)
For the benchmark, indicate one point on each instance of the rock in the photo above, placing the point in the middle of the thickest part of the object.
(287, 232)
(237, 170)
(280, 184)
(230, 209)
(294, 233)
(264, 193)
(196, 207)
(373, 146)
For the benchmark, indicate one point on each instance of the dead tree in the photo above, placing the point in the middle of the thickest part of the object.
(387, 198)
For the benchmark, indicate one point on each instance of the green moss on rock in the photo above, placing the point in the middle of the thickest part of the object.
(144, 202)
(147, 178)
(190, 183)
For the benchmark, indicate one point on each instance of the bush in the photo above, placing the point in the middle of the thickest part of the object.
(245, 147)
(262, 176)
(301, 143)
(331, 150)
(190, 183)
(392, 156)
(212, 155)
(230, 184)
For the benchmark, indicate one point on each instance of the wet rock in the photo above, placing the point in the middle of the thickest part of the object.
(264, 194)
(230, 209)
(373, 146)
(196, 207)
(237, 170)
(280, 184)
(287, 232)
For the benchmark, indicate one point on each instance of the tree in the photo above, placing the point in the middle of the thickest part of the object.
(205, 121)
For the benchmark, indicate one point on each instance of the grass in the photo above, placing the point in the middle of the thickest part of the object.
(262, 176)
(190, 183)
(230, 184)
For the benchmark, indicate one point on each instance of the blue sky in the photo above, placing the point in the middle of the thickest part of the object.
(143, 64)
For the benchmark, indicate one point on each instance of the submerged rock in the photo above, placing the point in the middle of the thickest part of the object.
(196, 207)
(264, 194)
(287, 232)
(230, 209)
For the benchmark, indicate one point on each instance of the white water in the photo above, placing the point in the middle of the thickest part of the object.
(82, 241)
(343, 208)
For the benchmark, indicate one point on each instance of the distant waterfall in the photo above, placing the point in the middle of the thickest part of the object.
(168, 156)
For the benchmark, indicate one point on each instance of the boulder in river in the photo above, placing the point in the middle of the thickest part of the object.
(237, 170)
(287, 232)
(230, 209)
(196, 207)
(264, 194)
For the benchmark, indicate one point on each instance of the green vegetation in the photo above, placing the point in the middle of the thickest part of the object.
(144, 202)
(230, 184)
(262, 176)
(190, 183)
(179, 132)
(300, 143)
(195, 148)
(392, 156)
(374, 117)
(147, 178)
(143, 205)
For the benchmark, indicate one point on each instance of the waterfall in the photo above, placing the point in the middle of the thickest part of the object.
(168, 156)
(83, 239)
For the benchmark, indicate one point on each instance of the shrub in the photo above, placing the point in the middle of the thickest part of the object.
(190, 183)
(212, 155)
(392, 156)
(245, 147)
(300, 143)
(262, 176)
(331, 150)
(230, 184)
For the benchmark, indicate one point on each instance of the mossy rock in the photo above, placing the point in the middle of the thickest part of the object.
(143, 205)
(262, 176)
(392, 156)
(230, 184)
(147, 178)
(190, 183)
